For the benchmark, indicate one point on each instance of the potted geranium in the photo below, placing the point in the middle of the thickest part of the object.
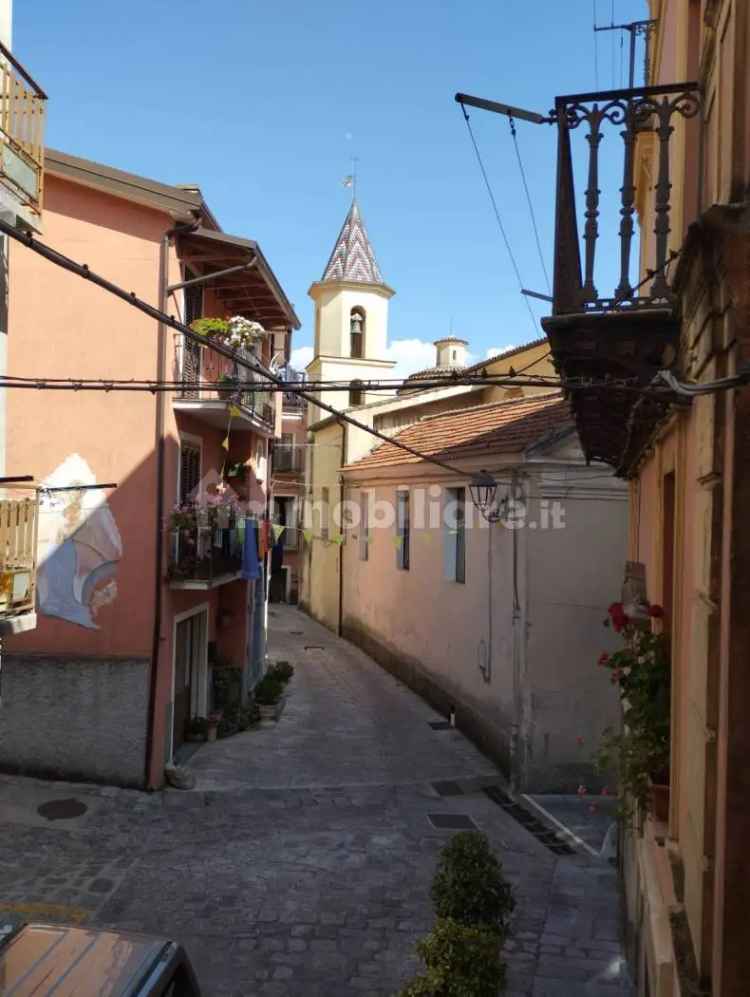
(237, 332)
(641, 672)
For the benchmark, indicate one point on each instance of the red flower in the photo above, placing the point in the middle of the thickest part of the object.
(657, 612)
(615, 676)
(603, 659)
(605, 791)
(582, 790)
(579, 740)
(618, 616)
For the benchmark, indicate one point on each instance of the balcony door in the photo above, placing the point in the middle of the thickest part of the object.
(190, 673)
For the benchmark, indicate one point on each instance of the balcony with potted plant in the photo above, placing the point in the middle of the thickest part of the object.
(215, 388)
(206, 545)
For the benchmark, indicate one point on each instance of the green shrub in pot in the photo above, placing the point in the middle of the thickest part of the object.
(282, 671)
(469, 885)
(461, 960)
(268, 691)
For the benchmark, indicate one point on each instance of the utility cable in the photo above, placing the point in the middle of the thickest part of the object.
(512, 124)
(496, 211)
(27, 239)
(690, 390)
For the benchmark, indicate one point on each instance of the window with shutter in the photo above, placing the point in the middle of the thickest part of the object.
(190, 471)
(454, 534)
(403, 530)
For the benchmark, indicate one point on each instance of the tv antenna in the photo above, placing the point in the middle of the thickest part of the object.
(634, 28)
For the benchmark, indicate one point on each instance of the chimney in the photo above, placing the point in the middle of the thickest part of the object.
(450, 353)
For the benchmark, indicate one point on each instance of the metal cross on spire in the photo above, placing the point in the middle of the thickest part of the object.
(351, 179)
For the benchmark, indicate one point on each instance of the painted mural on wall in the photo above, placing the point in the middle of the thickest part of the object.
(79, 546)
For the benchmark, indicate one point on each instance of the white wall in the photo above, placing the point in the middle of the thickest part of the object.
(551, 687)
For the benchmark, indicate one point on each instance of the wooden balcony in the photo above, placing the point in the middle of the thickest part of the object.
(627, 332)
(22, 115)
(215, 387)
(18, 563)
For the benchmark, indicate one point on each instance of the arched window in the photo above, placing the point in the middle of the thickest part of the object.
(356, 394)
(357, 332)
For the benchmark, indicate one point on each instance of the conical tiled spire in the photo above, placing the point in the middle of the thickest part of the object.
(352, 257)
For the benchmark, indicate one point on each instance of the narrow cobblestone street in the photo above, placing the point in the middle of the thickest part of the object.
(301, 862)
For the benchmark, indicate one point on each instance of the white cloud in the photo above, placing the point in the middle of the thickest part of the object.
(410, 355)
(493, 351)
(301, 357)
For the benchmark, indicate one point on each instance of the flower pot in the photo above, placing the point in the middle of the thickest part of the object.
(658, 800)
(268, 713)
(213, 727)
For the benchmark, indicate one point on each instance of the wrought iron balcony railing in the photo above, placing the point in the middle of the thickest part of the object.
(22, 114)
(288, 458)
(18, 556)
(210, 377)
(203, 550)
(634, 113)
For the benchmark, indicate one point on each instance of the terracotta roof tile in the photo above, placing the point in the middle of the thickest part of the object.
(499, 427)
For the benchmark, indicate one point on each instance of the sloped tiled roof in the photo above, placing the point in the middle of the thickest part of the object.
(353, 257)
(497, 428)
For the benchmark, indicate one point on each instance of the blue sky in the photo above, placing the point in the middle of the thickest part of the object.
(264, 105)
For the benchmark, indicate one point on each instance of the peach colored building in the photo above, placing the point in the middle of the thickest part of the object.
(500, 622)
(674, 420)
(135, 604)
(22, 122)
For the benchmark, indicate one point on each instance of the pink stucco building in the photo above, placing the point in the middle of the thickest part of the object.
(132, 610)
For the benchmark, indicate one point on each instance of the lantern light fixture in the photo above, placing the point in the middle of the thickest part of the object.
(483, 492)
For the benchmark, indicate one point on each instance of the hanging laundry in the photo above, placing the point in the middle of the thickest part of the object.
(250, 563)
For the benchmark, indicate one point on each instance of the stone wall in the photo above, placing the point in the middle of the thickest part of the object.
(73, 718)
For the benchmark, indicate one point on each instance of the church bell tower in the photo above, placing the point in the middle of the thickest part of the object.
(351, 318)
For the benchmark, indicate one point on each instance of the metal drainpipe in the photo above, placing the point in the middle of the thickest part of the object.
(159, 446)
(515, 748)
(340, 628)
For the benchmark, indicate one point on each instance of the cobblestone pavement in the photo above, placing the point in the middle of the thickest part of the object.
(301, 863)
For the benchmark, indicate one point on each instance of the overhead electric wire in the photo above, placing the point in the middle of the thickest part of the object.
(496, 211)
(84, 271)
(529, 201)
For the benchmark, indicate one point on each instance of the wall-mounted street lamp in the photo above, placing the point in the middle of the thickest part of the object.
(483, 492)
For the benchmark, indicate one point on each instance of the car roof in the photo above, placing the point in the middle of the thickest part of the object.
(52, 958)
